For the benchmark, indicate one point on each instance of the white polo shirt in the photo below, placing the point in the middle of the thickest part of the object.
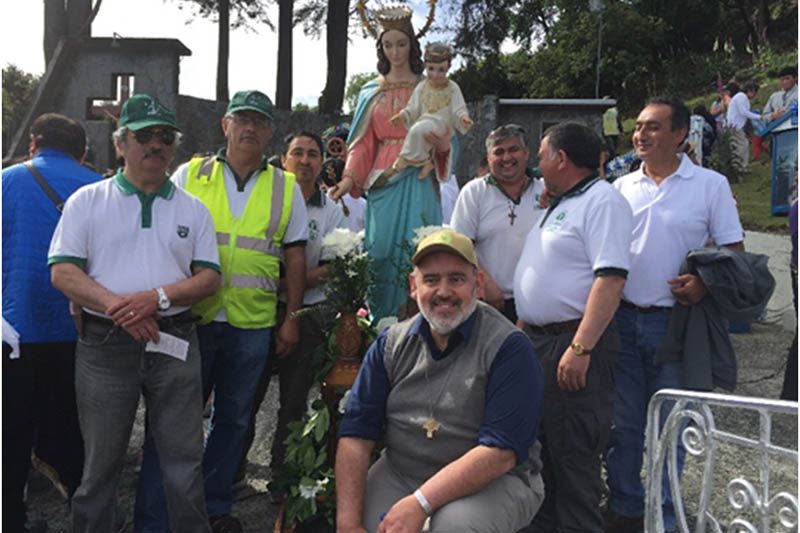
(739, 111)
(690, 207)
(585, 234)
(357, 208)
(324, 216)
(497, 225)
(448, 191)
(130, 241)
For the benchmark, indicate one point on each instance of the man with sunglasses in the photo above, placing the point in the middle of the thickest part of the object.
(135, 252)
(260, 217)
(497, 212)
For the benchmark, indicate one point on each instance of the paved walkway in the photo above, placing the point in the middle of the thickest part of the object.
(779, 249)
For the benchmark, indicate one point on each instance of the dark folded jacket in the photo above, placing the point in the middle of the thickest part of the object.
(739, 286)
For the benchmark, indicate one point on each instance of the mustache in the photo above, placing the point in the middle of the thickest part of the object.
(155, 152)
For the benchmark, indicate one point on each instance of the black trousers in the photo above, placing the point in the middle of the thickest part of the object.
(789, 391)
(574, 432)
(39, 414)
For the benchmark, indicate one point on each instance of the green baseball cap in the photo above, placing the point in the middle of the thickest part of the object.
(449, 241)
(142, 111)
(250, 101)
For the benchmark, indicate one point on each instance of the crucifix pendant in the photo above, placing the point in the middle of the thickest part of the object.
(511, 216)
(430, 425)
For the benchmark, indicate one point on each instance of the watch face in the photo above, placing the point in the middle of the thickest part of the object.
(163, 300)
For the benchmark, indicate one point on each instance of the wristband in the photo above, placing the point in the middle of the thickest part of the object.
(423, 502)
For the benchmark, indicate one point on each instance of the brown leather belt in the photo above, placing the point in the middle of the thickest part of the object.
(649, 309)
(556, 328)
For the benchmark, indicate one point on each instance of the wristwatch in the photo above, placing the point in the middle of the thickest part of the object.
(580, 349)
(163, 299)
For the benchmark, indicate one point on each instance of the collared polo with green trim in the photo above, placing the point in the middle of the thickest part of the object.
(585, 234)
(166, 191)
(497, 225)
(129, 241)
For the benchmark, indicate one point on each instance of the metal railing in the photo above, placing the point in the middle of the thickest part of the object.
(752, 507)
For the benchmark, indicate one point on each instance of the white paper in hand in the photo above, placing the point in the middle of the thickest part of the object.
(11, 336)
(170, 345)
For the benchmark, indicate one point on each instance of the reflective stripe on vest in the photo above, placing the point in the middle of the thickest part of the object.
(249, 245)
(253, 282)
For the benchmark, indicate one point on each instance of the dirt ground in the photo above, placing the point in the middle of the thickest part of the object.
(761, 353)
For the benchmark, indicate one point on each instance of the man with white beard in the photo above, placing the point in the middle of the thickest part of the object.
(455, 394)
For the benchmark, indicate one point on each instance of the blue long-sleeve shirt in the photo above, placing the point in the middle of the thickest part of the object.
(39, 312)
(514, 391)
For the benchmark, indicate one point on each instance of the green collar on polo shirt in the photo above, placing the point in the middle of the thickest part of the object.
(166, 191)
(317, 198)
(241, 181)
(579, 188)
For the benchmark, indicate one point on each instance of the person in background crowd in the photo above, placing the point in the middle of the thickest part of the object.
(781, 102)
(612, 129)
(449, 194)
(39, 409)
(736, 119)
(709, 133)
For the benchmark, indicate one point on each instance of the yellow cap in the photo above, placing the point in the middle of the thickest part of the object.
(446, 240)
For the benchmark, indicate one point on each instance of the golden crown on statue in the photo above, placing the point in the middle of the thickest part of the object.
(393, 17)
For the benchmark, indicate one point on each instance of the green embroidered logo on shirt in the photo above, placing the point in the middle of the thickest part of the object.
(313, 231)
(557, 222)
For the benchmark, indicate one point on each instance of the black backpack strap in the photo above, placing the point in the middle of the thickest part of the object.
(53, 195)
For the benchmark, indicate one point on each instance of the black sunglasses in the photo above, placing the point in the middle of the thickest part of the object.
(145, 136)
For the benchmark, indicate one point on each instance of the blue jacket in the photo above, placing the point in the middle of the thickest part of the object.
(37, 311)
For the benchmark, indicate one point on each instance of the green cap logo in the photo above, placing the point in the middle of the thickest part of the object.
(143, 111)
(250, 101)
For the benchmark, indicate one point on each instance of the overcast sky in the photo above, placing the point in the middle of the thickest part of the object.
(253, 55)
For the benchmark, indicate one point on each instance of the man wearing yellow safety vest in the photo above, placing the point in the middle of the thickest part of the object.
(259, 213)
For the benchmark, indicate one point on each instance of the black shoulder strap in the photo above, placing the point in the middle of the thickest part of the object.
(53, 195)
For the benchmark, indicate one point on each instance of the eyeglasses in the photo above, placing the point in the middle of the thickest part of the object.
(167, 137)
(258, 122)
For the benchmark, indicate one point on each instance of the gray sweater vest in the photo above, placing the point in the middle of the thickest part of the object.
(454, 388)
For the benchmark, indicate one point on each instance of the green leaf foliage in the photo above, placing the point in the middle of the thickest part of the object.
(19, 88)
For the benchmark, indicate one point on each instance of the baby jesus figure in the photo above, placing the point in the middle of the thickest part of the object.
(436, 106)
